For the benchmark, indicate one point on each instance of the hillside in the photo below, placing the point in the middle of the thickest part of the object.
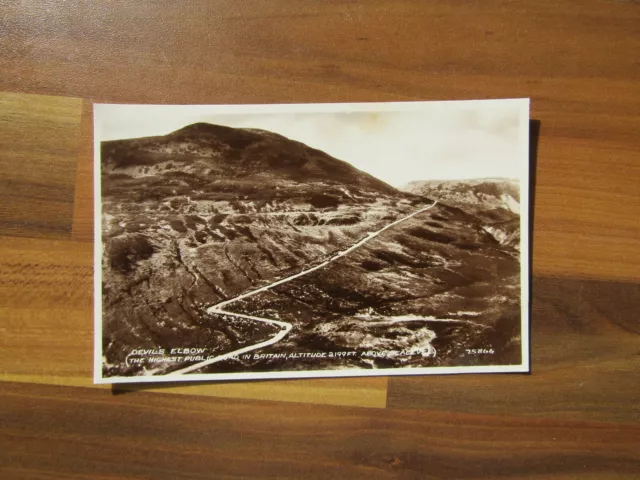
(217, 163)
(493, 201)
(206, 213)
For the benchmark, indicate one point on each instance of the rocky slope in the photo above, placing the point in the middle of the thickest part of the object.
(208, 212)
(493, 201)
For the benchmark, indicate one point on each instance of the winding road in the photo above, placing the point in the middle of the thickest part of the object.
(285, 327)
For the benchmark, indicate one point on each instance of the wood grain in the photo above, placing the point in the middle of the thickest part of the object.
(587, 207)
(46, 335)
(575, 416)
(82, 226)
(355, 392)
(38, 148)
(45, 306)
(585, 344)
(584, 86)
(152, 436)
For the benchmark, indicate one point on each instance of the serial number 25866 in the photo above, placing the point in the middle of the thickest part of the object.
(480, 351)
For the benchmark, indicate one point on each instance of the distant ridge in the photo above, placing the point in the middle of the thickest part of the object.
(494, 201)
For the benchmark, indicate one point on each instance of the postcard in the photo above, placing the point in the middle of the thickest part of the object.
(311, 240)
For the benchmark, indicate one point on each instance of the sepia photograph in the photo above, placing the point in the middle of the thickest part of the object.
(315, 240)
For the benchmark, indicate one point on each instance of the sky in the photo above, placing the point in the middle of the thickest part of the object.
(396, 142)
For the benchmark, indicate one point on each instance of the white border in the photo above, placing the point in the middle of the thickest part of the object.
(266, 108)
(353, 372)
(523, 159)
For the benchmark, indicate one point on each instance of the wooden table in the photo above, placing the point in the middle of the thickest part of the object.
(575, 416)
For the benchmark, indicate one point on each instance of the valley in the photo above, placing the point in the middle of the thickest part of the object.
(208, 214)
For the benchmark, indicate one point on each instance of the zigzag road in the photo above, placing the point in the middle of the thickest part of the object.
(285, 327)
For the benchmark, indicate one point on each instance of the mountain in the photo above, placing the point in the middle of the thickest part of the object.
(491, 199)
(208, 212)
(494, 201)
(213, 162)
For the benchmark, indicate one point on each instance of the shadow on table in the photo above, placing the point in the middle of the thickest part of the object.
(122, 388)
(534, 136)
